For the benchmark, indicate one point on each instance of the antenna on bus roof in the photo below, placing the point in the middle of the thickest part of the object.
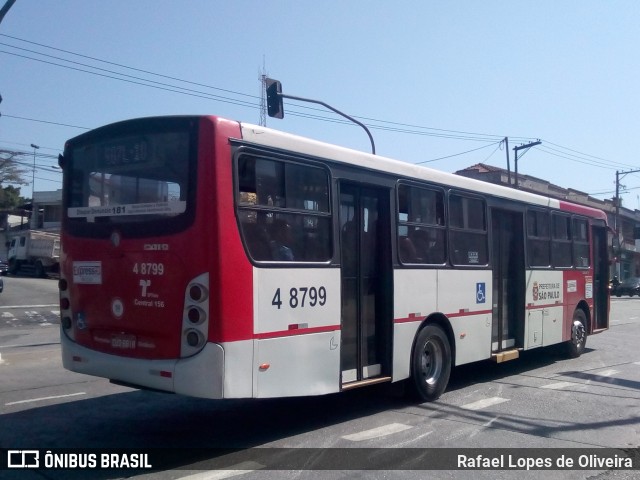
(275, 106)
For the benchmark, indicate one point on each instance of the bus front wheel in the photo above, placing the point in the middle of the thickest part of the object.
(431, 362)
(578, 341)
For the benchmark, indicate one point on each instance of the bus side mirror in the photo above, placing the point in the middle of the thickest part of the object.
(275, 106)
(61, 161)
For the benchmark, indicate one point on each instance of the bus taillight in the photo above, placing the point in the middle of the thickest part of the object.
(65, 309)
(195, 316)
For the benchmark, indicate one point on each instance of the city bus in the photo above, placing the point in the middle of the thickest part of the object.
(218, 259)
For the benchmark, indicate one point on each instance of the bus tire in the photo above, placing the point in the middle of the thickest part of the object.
(578, 341)
(431, 363)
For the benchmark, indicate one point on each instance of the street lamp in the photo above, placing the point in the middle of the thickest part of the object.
(33, 176)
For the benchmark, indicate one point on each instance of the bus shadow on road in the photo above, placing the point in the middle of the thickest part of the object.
(487, 371)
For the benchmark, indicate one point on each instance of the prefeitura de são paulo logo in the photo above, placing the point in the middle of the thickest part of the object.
(535, 291)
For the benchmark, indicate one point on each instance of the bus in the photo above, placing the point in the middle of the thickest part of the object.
(219, 259)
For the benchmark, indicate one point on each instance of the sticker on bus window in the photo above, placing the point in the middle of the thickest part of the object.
(88, 273)
(160, 208)
(588, 287)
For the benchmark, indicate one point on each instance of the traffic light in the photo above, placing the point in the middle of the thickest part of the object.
(275, 107)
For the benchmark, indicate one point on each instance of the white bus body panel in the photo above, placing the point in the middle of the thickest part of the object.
(545, 312)
(466, 298)
(415, 296)
(238, 369)
(298, 365)
(454, 293)
(197, 376)
(297, 311)
(297, 332)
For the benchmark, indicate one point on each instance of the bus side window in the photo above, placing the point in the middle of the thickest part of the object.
(581, 243)
(283, 207)
(421, 230)
(538, 239)
(561, 241)
(468, 230)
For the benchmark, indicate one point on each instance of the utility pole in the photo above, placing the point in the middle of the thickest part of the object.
(522, 147)
(33, 175)
(617, 247)
(506, 147)
(263, 96)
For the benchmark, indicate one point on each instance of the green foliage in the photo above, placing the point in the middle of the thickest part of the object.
(12, 173)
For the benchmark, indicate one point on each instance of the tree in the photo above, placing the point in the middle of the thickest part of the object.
(12, 172)
(10, 198)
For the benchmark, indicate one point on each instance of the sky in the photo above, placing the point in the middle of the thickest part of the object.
(438, 82)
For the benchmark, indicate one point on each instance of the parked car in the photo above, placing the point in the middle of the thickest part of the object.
(4, 267)
(1, 284)
(631, 287)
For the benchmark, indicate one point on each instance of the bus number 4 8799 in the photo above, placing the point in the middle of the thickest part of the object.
(301, 297)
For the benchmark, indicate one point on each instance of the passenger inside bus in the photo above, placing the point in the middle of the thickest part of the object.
(281, 241)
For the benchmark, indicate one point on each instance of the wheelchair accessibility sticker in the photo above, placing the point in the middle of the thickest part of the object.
(481, 290)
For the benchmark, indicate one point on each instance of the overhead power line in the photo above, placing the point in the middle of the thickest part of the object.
(396, 127)
(252, 101)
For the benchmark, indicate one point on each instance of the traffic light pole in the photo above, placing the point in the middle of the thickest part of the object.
(276, 109)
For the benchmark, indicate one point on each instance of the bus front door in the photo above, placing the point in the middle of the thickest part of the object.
(600, 277)
(508, 280)
(366, 277)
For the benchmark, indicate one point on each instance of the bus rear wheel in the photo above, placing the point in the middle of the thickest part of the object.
(431, 363)
(578, 341)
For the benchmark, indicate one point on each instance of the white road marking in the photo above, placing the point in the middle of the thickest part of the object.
(42, 399)
(607, 373)
(487, 402)
(8, 307)
(233, 471)
(377, 432)
(558, 385)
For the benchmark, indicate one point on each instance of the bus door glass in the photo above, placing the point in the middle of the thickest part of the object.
(508, 280)
(366, 282)
(601, 277)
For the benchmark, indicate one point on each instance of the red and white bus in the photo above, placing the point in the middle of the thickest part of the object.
(219, 259)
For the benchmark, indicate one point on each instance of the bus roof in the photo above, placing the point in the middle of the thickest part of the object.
(285, 141)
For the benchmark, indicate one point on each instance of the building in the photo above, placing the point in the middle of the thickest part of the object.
(625, 221)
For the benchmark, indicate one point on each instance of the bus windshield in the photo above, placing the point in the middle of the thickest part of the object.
(129, 178)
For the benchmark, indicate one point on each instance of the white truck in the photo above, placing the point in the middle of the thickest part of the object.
(35, 249)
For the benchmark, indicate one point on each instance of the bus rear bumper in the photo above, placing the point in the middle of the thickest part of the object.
(197, 376)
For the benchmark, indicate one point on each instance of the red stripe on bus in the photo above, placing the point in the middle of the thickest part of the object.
(462, 313)
(300, 331)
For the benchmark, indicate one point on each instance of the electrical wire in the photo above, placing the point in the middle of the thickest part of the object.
(378, 124)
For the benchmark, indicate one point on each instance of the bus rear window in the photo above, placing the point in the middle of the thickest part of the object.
(130, 178)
